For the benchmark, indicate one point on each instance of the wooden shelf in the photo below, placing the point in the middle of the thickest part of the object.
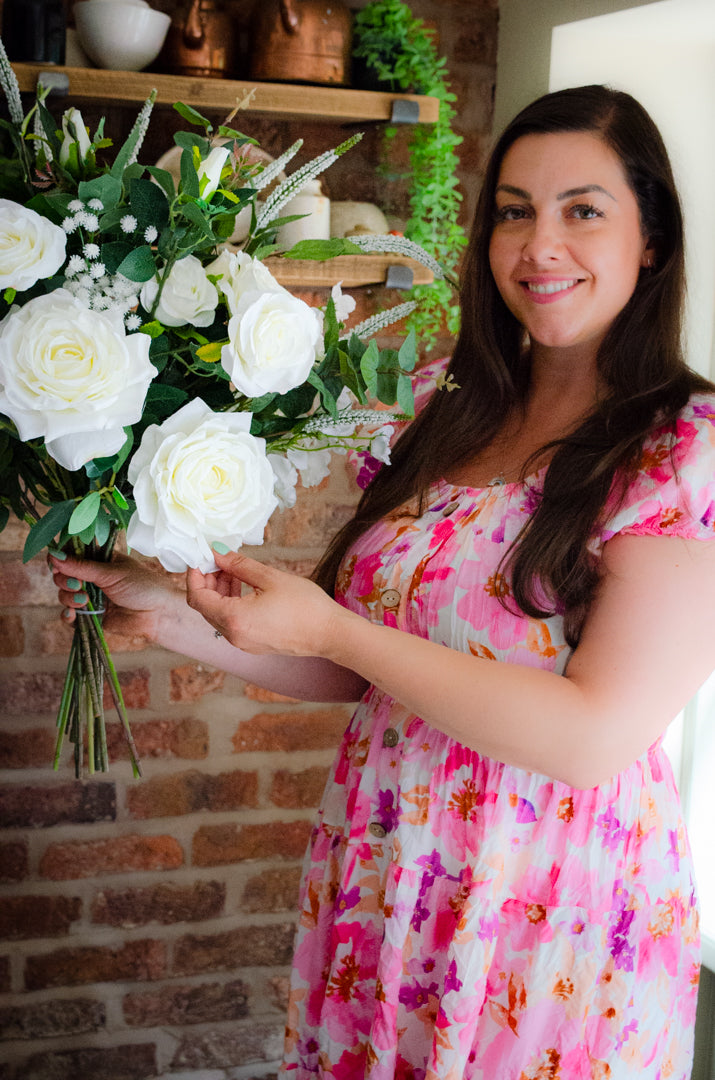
(351, 270)
(285, 99)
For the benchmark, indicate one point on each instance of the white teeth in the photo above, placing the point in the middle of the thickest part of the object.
(550, 286)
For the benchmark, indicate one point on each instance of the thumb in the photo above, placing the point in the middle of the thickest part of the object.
(249, 571)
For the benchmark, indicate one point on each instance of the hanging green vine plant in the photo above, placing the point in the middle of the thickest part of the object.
(398, 51)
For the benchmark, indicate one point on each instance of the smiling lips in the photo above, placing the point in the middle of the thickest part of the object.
(545, 292)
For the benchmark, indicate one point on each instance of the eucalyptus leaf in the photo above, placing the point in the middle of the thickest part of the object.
(321, 249)
(164, 179)
(139, 264)
(193, 117)
(47, 528)
(84, 513)
(189, 176)
(148, 204)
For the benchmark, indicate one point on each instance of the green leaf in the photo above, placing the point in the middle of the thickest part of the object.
(9, 295)
(114, 254)
(46, 529)
(154, 329)
(189, 176)
(211, 353)
(102, 528)
(325, 396)
(405, 396)
(321, 249)
(87, 534)
(98, 466)
(192, 116)
(84, 513)
(148, 204)
(119, 499)
(139, 264)
(368, 367)
(165, 181)
(105, 188)
(407, 356)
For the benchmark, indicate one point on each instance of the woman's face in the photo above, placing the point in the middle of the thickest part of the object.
(566, 247)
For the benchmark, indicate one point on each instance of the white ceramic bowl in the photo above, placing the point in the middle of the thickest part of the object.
(119, 35)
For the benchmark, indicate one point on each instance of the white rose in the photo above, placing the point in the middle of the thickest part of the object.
(274, 340)
(380, 445)
(344, 305)
(209, 171)
(73, 376)
(313, 465)
(187, 297)
(240, 273)
(286, 477)
(31, 247)
(74, 131)
(199, 477)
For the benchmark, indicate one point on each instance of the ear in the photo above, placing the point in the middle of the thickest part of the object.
(648, 256)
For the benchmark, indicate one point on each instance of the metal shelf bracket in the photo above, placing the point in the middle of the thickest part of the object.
(405, 112)
(58, 82)
(399, 277)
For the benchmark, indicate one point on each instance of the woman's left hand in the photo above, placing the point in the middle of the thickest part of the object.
(283, 613)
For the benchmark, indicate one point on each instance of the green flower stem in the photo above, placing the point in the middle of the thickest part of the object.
(115, 690)
(95, 712)
(66, 703)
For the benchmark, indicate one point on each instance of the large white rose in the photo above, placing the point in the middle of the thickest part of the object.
(187, 297)
(73, 376)
(274, 340)
(199, 477)
(240, 273)
(31, 247)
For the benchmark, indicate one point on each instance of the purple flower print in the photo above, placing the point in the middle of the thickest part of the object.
(610, 829)
(420, 913)
(622, 952)
(415, 996)
(345, 901)
(387, 812)
(630, 1029)
(432, 863)
(673, 852)
(451, 982)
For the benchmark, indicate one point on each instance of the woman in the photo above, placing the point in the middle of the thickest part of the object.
(499, 882)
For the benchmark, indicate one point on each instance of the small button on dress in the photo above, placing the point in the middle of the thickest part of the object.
(390, 737)
(377, 830)
(390, 598)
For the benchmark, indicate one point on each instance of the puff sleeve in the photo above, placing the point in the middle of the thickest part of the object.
(673, 493)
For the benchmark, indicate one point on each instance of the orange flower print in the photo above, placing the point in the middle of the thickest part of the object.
(497, 586)
(563, 988)
(536, 913)
(477, 649)
(548, 1069)
(663, 921)
(343, 981)
(464, 802)
(538, 640)
(565, 809)
(670, 517)
(507, 1015)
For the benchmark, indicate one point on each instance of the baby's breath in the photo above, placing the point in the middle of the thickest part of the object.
(91, 251)
(75, 206)
(128, 223)
(150, 234)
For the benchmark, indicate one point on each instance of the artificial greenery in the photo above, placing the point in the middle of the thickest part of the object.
(399, 50)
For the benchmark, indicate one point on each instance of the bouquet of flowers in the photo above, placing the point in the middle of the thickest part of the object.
(153, 379)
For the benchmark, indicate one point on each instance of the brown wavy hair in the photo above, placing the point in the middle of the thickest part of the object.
(640, 361)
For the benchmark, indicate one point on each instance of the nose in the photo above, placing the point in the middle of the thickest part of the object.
(543, 241)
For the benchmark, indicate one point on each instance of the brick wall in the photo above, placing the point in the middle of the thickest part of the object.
(146, 926)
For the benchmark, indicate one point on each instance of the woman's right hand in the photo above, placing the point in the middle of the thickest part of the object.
(137, 594)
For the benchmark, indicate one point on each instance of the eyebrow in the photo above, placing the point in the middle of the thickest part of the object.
(570, 194)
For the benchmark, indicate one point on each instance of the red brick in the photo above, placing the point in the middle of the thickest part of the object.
(267, 697)
(37, 916)
(273, 890)
(240, 1045)
(180, 1005)
(94, 858)
(311, 523)
(189, 792)
(191, 682)
(135, 1061)
(30, 748)
(135, 689)
(293, 790)
(279, 989)
(22, 585)
(163, 903)
(23, 693)
(47, 1019)
(187, 738)
(218, 845)
(13, 861)
(13, 536)
(12, 635)
(247, 946)
(317, 729)
(76, 803)
(477, 40)
(139, 961)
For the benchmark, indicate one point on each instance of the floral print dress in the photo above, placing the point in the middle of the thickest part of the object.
(463, 919)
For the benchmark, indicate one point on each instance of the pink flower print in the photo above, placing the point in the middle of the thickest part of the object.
(525, 812)
(387, 812)
(350, 1065)
(673, 853)
(705, 411)
(405, 1071)
(488, 927)
(630, 1029)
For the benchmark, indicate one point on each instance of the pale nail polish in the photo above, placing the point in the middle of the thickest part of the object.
(220, 548)
(73, 583)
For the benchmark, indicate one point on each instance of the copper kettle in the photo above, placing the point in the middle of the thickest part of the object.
(202, 42)
(301, 41)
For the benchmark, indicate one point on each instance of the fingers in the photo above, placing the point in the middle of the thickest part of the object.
(249, 571)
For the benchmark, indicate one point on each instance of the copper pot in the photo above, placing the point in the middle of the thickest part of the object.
(301, 41)
(202, 42)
